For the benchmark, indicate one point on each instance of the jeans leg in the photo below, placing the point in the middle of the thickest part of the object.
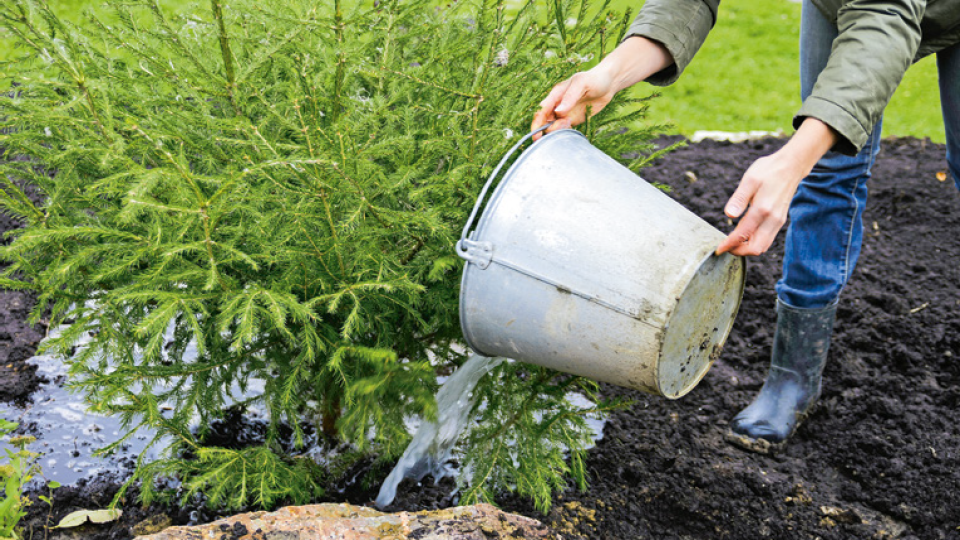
(816, 41)
(948, 67)
(826, 227)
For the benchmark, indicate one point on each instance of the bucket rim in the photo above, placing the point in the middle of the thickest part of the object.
(497, 195)
(725, 334)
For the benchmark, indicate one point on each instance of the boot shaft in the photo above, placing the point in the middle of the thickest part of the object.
(802, 338)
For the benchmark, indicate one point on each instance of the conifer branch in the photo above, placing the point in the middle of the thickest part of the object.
(341, 69)
(430, 84)
(226, 54)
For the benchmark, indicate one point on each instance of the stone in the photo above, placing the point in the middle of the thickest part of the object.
(151, 525)
(349, 522)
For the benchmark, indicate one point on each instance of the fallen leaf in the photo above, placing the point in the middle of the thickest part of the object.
(80, 517)
(942, 176)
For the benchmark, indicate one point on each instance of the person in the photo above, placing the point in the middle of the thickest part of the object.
(853, 54)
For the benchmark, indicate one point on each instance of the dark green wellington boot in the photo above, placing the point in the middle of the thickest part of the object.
(793, 384)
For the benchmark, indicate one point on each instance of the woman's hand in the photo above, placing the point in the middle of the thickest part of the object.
(632, 61)
(566, 105)
(768, 187)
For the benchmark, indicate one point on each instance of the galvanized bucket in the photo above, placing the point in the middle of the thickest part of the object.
(578, 264)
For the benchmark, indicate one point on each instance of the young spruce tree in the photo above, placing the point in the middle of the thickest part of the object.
(282, 184)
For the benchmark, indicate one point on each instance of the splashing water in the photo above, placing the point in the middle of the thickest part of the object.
(432, 446)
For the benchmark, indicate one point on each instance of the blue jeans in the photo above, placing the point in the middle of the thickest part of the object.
(826, 225)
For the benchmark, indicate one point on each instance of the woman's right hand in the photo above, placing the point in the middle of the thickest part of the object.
(635, 59)
(566, 105)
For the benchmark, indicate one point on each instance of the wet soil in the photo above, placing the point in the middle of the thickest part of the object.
(880, 457)
(18, 338)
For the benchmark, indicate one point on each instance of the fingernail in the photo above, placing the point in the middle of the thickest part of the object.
(733, 210)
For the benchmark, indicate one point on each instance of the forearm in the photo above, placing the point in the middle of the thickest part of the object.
(681, 26)
(635, 59)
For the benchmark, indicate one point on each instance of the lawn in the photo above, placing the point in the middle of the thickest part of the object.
(744, 78)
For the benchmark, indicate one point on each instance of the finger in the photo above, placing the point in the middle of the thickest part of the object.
(542, 117)
(762, 239)
(560, 123)
(571, 96)
(741, 197)
(743, 234)
(547, 107)
(555, 96)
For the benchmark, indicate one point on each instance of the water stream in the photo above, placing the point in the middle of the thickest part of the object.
(431, 448)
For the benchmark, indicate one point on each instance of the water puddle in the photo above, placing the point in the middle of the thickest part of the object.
(68, 434)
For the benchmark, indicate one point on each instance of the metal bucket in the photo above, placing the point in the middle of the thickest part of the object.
(580, 265)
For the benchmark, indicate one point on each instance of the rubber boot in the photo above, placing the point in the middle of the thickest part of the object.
(793, 384)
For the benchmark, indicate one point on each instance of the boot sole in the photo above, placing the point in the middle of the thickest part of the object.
(759, 446)
(763, 446)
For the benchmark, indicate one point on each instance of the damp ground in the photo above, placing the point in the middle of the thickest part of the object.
(880, 457)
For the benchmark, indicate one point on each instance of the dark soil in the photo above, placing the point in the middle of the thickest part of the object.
(880, 457)
(18, 339)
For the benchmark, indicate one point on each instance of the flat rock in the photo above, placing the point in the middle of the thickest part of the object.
(348, 522)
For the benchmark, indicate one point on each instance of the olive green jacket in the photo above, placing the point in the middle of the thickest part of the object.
(878, 41)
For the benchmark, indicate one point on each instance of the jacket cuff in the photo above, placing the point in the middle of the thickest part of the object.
(853, 135)
(679, 25)
(675, 46)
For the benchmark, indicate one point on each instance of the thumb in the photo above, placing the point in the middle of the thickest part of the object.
(572, 95)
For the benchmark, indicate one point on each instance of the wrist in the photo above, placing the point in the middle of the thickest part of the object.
(812, 140)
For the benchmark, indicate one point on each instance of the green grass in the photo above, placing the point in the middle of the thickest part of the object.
(744, 78)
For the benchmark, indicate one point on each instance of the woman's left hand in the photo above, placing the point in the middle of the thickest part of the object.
(768, 186)
(767, 189)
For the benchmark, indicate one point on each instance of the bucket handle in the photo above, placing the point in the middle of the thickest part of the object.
(464, 244)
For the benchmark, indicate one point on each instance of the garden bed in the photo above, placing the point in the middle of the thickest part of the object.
(879, 458)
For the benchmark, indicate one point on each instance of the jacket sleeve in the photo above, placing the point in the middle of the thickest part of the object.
(877, 42)
(680, 25)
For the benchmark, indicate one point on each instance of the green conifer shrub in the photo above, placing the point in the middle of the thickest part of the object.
(282, 184)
